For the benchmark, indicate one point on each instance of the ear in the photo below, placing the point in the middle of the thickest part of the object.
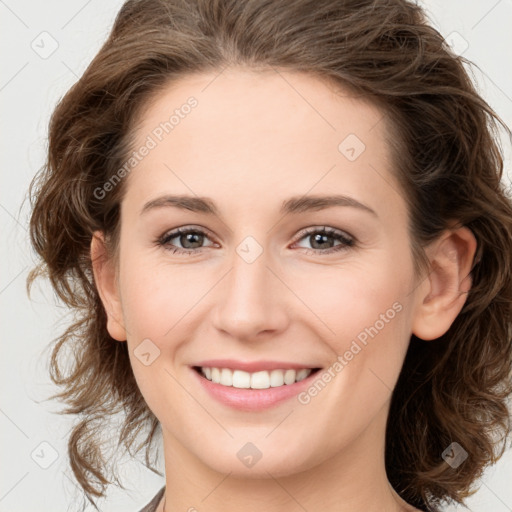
(106, 283)
(443, 293)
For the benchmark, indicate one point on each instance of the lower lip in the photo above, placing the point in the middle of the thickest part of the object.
(253, 399)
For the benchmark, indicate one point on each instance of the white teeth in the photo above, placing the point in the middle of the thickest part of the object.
(289, 376)
(260, 380)
(226, 377)
(302, 374)
(215, 375)
(276, 378)
(241, 379)
(257, 380)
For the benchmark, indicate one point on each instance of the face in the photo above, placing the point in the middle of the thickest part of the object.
(273, 279)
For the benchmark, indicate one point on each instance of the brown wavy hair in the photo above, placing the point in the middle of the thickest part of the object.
(447, 157)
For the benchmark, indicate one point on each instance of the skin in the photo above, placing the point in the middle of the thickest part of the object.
(290, 305)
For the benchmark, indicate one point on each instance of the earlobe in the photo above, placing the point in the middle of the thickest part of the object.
(106, 284)
(442, 295)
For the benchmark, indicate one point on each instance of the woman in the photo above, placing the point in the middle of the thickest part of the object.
(283, 229)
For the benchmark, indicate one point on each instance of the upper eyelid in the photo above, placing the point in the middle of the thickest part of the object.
(172, 233)
(326, 229)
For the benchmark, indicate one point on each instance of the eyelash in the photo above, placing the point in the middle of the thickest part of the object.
(346, 240)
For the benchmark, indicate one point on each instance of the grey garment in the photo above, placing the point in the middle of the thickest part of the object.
(151, 506)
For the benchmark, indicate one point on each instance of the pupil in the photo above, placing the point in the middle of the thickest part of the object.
(189, 237)
(318, 239)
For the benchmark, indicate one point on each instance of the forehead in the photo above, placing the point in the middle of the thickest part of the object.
(260, 103)
(260, 131)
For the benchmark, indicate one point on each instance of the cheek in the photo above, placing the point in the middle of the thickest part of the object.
(365, 315)
(156, 296)
(360, 301)
(155, 300)
(368, 317)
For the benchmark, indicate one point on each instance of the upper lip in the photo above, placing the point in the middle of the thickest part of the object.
(253, 366)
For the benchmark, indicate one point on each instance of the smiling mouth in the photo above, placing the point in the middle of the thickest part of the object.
(254, 380)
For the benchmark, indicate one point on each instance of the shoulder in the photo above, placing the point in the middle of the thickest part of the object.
(153, 504)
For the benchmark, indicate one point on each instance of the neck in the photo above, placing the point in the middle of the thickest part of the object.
(353, 480)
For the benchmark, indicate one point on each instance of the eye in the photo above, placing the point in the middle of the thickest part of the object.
(321, 239)
(190, 239)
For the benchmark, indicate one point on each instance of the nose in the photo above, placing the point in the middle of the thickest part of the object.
(252, 301)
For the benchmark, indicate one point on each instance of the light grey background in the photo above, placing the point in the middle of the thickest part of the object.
(31, 82)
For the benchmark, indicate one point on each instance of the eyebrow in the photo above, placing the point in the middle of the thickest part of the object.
(297, 204)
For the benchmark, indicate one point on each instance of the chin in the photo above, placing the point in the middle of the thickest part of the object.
(276, 464)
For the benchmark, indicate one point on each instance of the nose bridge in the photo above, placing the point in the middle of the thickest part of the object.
(251, 298)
